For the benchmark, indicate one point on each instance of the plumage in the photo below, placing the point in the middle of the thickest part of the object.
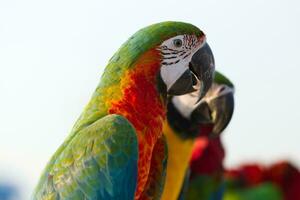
(250, 181)
(206, 178)
(209, 180)
(158, 170)
(206, 165)
(100, 160)
(116, 144)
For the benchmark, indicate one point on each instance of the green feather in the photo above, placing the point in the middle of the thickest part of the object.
(99, 163)
(221, 79)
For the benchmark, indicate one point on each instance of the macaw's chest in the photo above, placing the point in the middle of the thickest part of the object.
(144, 107)
(147, 113)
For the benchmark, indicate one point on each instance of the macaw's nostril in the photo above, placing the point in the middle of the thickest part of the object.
(222, 88)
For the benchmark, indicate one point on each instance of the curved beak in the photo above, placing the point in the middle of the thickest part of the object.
(217, 110)
(198, 76)
(222, 109)
(202, 65)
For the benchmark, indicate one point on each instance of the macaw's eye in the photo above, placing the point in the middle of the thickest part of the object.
(177, 42)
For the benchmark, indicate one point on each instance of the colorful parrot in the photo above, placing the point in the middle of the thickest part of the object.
(254, 182)
(208, 181)
(116, 149)
(187, 118)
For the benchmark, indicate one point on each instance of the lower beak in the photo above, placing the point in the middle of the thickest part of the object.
(184, 84)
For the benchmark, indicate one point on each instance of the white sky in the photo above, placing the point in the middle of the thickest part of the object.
(52, 54)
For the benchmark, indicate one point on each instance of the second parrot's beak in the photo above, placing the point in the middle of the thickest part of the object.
(202, 65)
(217, 110)
(222, 109)
(198, 76)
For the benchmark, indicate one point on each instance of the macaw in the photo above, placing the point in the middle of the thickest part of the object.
(208, 180)
(116, 149)
(188, 119)
(254, 182)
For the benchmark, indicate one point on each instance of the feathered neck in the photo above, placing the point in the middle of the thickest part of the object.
(139, 99)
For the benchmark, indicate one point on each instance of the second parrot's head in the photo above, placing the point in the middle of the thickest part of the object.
(183, 60)
(209, 116)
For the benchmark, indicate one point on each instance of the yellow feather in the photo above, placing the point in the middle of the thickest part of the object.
(179, 154)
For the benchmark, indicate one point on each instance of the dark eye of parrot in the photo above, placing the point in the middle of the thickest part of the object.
(177, 42)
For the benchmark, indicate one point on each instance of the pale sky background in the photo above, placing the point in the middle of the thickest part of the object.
(52, 54)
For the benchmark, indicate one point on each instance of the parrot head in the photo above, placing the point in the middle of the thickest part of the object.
(187, 64)
(218, 106)
(209, 116)
(176, 53)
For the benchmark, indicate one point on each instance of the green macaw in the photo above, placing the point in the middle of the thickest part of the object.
(116, 149)
(187, 119)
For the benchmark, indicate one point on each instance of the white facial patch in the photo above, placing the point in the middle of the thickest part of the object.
(187, 103)
(171, 73)
(176, 54)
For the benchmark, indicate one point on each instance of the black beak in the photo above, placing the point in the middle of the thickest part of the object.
(184, 84)
(202, 65)
(217, 112)
(202, 114)
(222, 110)
(199, 76)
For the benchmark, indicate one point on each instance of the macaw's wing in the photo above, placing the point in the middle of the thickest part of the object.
(100, 162)
(157, 175)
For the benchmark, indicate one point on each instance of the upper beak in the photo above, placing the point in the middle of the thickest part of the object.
(199, 76)
(222, 109)
(202, 65)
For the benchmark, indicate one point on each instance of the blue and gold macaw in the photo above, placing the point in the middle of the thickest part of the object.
(187, 120)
